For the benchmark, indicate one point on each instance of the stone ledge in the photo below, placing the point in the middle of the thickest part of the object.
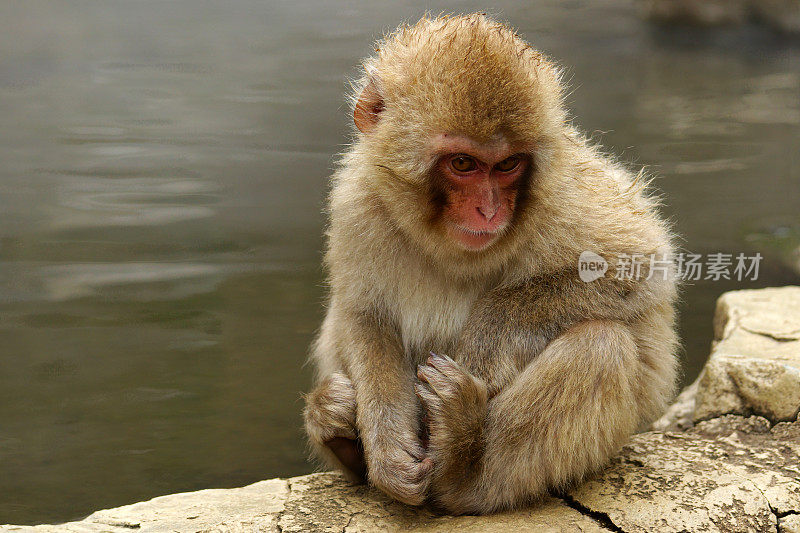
(726, 457)
(754, 366)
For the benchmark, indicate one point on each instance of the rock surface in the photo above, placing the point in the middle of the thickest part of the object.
(727, 474)
(725, 457)
(754, 366)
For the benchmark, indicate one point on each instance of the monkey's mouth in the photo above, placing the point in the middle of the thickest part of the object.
(474, 240)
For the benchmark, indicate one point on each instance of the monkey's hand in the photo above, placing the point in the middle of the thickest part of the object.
(397, 465)
(456, 403)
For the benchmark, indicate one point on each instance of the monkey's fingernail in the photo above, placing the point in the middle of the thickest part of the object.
(439, 357)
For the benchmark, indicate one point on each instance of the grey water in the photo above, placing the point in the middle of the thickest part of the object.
(163, 166)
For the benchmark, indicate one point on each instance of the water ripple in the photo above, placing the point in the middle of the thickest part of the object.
(139, 281)
(92, 201)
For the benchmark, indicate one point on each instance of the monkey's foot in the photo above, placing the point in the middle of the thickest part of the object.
(455, 402)
(331, 409)
(330, 419)
(351, 454)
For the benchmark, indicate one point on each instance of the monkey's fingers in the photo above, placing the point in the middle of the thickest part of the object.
(417, 471)
(448, 379)
(439, 382)
(416, 476)
(443, 363)
(425, 468)
(406, 481)
(430, 400)
(415, 451)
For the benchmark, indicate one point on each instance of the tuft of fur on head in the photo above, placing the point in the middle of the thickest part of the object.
(464, 74)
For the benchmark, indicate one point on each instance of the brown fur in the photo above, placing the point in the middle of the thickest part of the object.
(548, 375)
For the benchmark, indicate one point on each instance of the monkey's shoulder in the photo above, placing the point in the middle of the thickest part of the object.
(564, 296)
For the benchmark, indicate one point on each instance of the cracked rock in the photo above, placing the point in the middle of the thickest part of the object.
(789, 524)
(730, 474)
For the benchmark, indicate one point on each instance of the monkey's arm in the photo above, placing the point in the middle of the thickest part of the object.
(561, 417)
(387, 412)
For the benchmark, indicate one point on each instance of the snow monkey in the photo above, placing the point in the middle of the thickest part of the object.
(464, 361)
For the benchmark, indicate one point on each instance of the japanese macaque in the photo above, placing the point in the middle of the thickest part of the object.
(463, 360)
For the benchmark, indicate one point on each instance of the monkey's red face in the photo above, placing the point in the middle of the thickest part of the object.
(481, 183)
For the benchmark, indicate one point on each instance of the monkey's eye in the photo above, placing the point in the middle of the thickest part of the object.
(508, 164)
(463, 163)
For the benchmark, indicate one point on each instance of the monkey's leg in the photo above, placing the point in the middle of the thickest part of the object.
(561, 418)
(330, 418)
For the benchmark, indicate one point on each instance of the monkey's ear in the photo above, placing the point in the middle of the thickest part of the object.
(368, 108)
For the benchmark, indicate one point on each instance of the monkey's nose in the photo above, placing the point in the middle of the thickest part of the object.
(488, 211)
